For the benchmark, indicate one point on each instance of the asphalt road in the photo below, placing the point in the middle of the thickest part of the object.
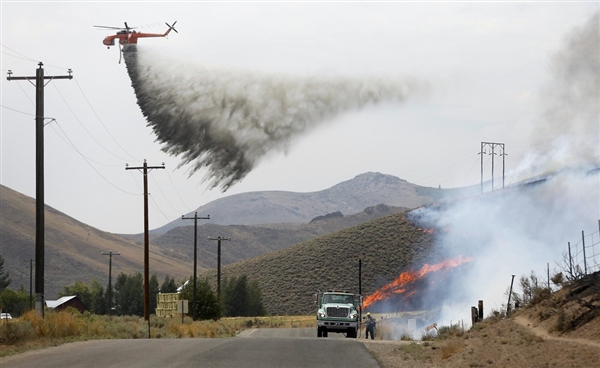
(297, 347)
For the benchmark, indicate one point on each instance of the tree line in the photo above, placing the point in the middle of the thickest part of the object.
(239, 296)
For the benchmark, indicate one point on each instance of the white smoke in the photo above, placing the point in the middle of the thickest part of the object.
(567, 134)
(227, 120)
(523, 228)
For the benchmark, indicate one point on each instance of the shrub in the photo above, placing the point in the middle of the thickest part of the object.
(15, 331)
(451, 347)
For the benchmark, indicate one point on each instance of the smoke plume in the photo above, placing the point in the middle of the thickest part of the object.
(526, 227)
(567, 133)
(226, 120)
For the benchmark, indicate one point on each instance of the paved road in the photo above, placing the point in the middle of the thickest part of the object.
(254, 348)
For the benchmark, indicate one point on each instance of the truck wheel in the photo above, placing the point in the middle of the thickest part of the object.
(319, 332)
(351, 333)
(324, 332)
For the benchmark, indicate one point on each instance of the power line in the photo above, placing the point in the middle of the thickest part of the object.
(83, 126)
(92, 166)
(25, 57)
(104, 126)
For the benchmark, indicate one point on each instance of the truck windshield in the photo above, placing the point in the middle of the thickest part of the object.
(338, 298)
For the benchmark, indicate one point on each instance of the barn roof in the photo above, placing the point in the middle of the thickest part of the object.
(56, 303)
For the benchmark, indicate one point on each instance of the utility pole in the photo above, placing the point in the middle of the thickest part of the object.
(195, 218)
(219, 239)
(39, 177)
(110, 254)
(145, 169)
(492, 153)
(30, 283)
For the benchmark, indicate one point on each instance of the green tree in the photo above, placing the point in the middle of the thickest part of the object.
(99, 298)
(14, 302)
(153, 292)
(168, 285)
(81, 290)
(241, 298)
(129, 294)
(254, 300)
(4, 276)
(207, 304)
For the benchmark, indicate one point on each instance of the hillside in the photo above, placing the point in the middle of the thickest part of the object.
(73, 250)
(561, 330)
(349, 197)
(252, 241)
(72, 245)
(289, 277)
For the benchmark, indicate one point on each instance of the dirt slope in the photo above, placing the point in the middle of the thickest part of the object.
(561, 331)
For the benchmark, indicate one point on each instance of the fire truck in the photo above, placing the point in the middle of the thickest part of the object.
(338, 312)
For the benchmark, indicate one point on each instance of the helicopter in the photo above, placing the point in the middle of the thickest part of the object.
(128, 35)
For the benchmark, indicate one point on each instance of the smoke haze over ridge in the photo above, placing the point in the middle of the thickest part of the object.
(226, 121)
(522, 229)
(568, 129)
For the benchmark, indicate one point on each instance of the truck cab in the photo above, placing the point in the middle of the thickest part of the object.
(337, 312)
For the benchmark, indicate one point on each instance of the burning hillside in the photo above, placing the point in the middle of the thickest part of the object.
(404, 290)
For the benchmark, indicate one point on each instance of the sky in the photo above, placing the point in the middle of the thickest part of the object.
(483, 68)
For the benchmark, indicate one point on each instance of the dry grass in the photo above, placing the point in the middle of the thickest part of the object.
(451, 347)
(31, 331)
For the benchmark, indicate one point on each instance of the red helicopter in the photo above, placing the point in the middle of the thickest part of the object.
(127, 35)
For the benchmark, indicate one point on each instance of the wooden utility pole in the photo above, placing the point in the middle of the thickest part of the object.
(145, 169)
(195, 218)
(219, 239)
(110, 254)
(39, 177)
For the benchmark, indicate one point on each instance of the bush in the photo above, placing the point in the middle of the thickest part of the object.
(13, 332)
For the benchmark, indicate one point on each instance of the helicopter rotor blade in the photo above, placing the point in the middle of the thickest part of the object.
(108, 27)
(172, 26)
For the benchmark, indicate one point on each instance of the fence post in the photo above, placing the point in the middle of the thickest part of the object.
(584, 260)
(474, 316)
(509, 295)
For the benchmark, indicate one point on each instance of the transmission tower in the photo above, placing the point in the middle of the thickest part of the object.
(492, 153)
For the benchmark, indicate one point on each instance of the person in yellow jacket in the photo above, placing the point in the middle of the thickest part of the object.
(371, 322)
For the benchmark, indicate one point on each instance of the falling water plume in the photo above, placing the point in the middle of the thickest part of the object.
(225, 121)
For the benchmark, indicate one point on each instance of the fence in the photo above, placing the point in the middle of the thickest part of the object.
(581, 258)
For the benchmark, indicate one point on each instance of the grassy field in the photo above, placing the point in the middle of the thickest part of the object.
(30, 331)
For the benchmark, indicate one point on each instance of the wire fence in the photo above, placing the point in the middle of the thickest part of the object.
(581, 258)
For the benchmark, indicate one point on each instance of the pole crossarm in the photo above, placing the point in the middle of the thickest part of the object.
(219, 239)
(145, 169)
(39, 177)
(195, 218)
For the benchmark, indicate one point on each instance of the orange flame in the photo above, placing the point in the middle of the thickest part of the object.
(399, 285)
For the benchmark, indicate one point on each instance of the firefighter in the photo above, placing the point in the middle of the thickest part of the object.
(371, 322)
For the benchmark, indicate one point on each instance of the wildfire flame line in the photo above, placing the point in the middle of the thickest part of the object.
(400, 284)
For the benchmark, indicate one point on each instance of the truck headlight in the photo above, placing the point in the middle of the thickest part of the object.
(321, 314)
(353, 315)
